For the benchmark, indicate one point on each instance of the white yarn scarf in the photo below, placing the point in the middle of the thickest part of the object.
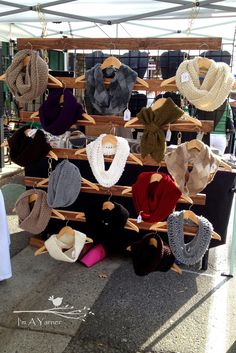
(110, 177)
(214, 89)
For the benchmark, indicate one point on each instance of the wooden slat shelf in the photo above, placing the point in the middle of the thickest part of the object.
(116, 190)
(116, 121)
(120, 43)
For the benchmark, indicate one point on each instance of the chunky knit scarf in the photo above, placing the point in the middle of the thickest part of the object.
(110, 177)
(34, 220)
(192, 252)
(214, 89)
(27, 82)
(153, 138)
(114, 99)
(205, 165)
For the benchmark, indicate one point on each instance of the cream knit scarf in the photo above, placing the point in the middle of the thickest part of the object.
(205, 165)
(214, 89)
(110, 177)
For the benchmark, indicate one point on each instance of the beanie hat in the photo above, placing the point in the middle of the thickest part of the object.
(33, 219)
(25, 150)
(149, 258)
(27, 82)
(64, 185)
(169, 62)
(156, 200)
(57, 118)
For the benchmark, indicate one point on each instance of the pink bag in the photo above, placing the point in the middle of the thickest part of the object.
(91, 254)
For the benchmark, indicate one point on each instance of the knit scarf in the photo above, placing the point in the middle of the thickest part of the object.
(212, 92)
(192, 252)
(114, 99)
(153, 138)
(36, 219)
(205, 165)
(156, 200)
(27, 82)
(110, 177)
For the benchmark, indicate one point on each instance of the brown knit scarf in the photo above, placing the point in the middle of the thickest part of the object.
(33, 217)
(153, 138)
(205, 165)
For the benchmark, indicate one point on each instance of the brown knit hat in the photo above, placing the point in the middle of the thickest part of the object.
(33, 220)
(27, 82)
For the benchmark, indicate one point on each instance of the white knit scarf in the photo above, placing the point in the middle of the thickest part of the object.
(214, 89)
(110, 177)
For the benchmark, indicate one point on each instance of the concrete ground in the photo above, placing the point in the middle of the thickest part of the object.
(110, 309)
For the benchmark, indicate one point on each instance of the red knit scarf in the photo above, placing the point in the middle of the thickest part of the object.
(157, 200)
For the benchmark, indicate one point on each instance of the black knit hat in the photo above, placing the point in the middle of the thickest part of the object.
(149, 258)
(25, 150)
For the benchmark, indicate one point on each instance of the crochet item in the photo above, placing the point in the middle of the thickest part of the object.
(214, 89)
(110, 177)
(155, 200)
(25, 150)
(57, 118)
(33, 217)
(27, 82)
(204, 166)
(73, 243)
(149, 258)
(153, 138)
(192, 252)
(64, 185)
(111, 101)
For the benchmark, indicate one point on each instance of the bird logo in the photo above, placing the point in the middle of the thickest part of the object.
(56, 301)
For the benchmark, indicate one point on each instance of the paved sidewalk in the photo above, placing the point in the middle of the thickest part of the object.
(10, 170)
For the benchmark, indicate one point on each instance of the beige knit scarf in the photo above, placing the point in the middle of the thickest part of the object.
(205, 165)
(214, 89)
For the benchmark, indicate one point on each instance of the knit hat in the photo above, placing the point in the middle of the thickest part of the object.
(153, 138)
(169, 62)
(33, 219)
(64, 185)
(156, 200)
(149, 258)
(57, 118)
(27, 82)
(136, 60)
(25, 150)
(212, 92)
(106, 226)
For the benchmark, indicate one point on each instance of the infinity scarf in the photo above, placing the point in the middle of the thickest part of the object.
(110, 177)
(114, 99)
(153, 138)
(192, 252)
(205, 165)
(156, 200)
(212, 92)
(27, 82)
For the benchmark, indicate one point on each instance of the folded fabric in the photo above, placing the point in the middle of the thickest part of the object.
(56, 117)
(191, 252)
(209, 94)
(27, 82)
(148, 258)
(33, 217)
(72, 243)
(64, 185)
(155, 201)
(25, 150)
(153, 138)
(93, 254)
(204, 166)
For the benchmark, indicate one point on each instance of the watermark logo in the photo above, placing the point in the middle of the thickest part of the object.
(63, 311)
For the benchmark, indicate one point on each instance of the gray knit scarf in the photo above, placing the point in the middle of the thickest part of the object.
(192, 252)
(114, 99)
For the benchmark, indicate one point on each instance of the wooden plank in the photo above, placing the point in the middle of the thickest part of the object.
(117, 121)
(116, 190)
(120, 43)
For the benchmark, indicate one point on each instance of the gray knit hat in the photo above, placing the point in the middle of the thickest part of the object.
(33, 220)
(64, 185)
(27, 82)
